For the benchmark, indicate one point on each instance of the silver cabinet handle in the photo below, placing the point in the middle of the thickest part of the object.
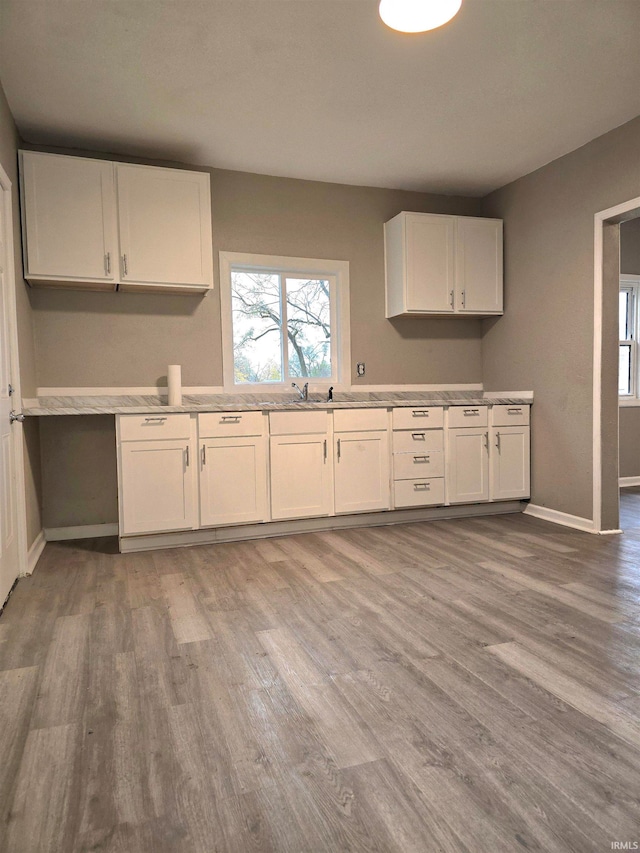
(325, 450)
(420, 458)
(418, 436)
(421, 487)
(514, 411)
(158, 420)
(420, 413)
(486, 441)
(107, 263)
(338, 450)
(231, 418)
(464, 298)
(468, 412)
(451, 299)
(204, 454)
(498, 440)
(125, 268)
(187, 450)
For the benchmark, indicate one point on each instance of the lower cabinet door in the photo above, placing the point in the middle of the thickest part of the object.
(233, 481)
(468, 465)
(510, 463)
(301, 481)
(361, 471)
(158, 486)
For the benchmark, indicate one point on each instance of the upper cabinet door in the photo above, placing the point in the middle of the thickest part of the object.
(69, 218)
(165, 228)
(429, 263)
(479, 265)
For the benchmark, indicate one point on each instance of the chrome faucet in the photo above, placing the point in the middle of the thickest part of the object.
(304, 391)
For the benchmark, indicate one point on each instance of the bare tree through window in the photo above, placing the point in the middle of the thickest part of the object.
(281, 326)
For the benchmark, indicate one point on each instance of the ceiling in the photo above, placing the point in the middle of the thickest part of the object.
(321, 89)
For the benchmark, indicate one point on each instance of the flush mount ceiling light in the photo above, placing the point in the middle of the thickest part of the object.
(417, 16)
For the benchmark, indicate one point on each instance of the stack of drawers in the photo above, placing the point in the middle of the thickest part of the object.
(418, 456)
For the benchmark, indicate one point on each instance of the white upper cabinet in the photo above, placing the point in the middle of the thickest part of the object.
(443, 265)
(98, 224)
(164, 218)
(69, 220)
(479, 265)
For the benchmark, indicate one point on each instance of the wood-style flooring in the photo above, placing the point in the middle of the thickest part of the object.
(460, 686)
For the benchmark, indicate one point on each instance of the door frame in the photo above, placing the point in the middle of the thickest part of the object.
(611, 216)
(6, 192)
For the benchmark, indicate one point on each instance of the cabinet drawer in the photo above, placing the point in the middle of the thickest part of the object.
(468, 416)
(298, 423)
(510, 415)
(408, 466)
(418, 440)
(221, 424)
(359, 420)
(145, 427)
(418, 492)
(422, 417)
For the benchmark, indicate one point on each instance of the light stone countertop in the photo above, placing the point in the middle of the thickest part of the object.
(143, 405)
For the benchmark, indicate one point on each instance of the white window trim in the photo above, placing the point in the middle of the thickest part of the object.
(339, 269)
(632, 282)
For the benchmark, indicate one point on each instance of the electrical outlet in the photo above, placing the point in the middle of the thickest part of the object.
(360, 368)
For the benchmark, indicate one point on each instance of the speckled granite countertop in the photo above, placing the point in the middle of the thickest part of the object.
(143, 405)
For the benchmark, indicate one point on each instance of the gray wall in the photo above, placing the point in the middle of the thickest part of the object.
(119, 339)
(630, 247)
(545, 339)
(630, 417)
(9, 143)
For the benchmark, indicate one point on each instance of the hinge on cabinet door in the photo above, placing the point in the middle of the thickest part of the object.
(12, 390)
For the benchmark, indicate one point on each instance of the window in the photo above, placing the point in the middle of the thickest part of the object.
(628, 337)
(284, 320)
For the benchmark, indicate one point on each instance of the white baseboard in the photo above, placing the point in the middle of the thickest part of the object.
(240, 532)
(34, 552)
(628, 481)
(564, 518)
(576, 522)
(83, 531)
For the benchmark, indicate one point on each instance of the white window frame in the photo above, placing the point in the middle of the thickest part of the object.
(339, 307)
(632, 284)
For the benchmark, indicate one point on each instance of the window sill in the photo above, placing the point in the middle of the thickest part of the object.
(629, 402)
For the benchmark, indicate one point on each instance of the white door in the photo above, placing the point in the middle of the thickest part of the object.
(165, 226)
(233, 481)
(430, 262)
(70, 216)
(468, 465)
(157, 486)
(301, 480)
(361, 471)
(9, 554)
(510, 462)
(479, 265)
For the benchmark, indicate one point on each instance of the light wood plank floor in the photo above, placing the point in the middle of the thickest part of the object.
(465, 685)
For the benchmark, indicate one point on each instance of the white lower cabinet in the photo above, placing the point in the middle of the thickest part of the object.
(157, 486)
(468, 465)
(301, 478)
(181, 471)
(233, 480)
(361, 471)
(510, 463)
